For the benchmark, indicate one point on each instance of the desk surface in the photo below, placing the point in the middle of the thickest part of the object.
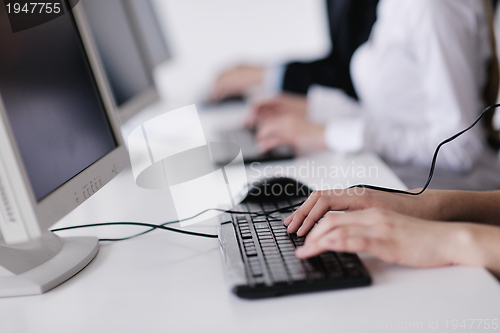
(167, 282)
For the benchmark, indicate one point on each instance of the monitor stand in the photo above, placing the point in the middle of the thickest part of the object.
(42, 264)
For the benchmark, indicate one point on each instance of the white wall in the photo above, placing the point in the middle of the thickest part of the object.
(207, 36)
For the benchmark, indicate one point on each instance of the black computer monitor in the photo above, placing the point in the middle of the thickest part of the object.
(126, 67)
(60, 142)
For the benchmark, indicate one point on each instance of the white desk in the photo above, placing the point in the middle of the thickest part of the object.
(167, 282)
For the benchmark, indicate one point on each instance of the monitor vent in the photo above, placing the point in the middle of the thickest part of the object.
(5, 206)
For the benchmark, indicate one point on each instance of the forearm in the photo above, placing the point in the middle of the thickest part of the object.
(481, 207)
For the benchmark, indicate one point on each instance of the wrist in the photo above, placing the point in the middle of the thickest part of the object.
(476, 245)
(463, 249)
(470, 244)
(256, 75)
(312, 138)
(431, 205)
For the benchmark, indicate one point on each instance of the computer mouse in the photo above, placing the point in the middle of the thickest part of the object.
(276, 189)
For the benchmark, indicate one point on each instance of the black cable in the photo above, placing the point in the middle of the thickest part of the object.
(153, 226)
(434, 160)
(371, 187)
(162, 226)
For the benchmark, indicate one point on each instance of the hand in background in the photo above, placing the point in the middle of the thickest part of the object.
(284, 103)
(291, 130)
(236, 81)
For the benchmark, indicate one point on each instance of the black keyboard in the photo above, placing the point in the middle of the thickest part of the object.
(268, 255)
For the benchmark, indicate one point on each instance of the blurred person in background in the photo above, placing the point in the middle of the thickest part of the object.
(427, 70)
(350, 23)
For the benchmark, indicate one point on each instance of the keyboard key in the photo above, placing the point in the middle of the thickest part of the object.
(299, 276)
(257, 272)
(275, 262)
(276, 223)
(274, 216)
(273, 256)
(259, 280)
(277, 270)
(278, 274)
(290, 258)
(254, 261)
(295, 268)
(285, 243)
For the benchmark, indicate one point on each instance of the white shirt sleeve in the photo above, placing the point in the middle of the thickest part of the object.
(418, 94)
(342, 115)
(273, 78)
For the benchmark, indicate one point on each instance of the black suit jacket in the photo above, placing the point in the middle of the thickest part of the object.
(350, 23)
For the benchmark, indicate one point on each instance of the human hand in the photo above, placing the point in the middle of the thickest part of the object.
(392, 237)
(425, 205)
(290, 130)
(236, 81)
(284, 103)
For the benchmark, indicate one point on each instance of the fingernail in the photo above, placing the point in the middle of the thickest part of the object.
(299, 232)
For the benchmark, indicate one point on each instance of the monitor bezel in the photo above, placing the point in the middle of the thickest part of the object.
(140, 101)
(141, 33)
(132, 107)
(37, 216)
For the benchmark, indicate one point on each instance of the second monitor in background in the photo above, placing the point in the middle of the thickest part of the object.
(128, 72)
(149, 31)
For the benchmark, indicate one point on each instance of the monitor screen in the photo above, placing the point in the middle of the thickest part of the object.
(126, 70)
(52, 102)
(150, 30)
